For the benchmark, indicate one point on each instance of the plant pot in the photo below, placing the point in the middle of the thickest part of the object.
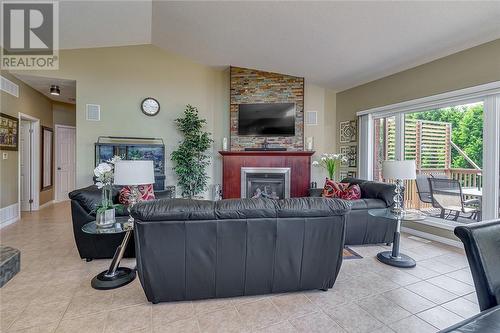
(105, 219)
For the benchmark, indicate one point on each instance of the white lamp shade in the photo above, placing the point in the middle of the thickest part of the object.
(134, 173)
(399, 169)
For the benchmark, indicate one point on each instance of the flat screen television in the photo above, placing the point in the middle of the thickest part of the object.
(266, 119)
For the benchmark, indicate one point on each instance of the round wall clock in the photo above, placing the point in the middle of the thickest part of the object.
(150, 106)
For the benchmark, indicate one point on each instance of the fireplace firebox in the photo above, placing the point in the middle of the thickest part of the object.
(271, 183)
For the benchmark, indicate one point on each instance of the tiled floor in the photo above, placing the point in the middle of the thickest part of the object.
(52, 293)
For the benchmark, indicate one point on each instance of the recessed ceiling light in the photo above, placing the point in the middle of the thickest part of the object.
(54, 90)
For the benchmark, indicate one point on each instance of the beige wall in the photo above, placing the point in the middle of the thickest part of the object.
(64, 113)
(118, 78)
(475, 66)
(32, 103)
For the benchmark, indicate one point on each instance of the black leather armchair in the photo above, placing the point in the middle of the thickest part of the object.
(195, 249)
(482, 245)
(83, 203)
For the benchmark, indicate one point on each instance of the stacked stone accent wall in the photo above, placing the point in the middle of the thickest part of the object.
(253, 86)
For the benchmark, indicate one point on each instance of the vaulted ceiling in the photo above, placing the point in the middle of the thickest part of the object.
(336, 44)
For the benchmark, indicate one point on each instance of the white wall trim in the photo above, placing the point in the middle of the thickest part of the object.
(9, 215)
(491, 156)
(432, 237)
(436, 101)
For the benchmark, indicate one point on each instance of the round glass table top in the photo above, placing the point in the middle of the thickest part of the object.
(121, 225)
(389, 214)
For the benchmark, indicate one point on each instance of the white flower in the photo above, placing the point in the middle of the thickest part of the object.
(101, 169)
(99, 185)
(323, 158)
(315, 163)
(115, 159)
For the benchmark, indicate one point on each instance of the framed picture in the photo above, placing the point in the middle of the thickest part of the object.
(47, 158)
(348, 131)
(352, 174)
(9, 132)
(351, 153)
(342, 174)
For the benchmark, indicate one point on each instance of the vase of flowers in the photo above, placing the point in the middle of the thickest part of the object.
(105, 210)
(330, 163)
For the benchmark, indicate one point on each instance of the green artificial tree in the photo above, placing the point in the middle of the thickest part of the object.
(190, 159)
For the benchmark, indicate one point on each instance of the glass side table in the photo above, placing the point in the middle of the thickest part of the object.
(115, 276)
(394, 257)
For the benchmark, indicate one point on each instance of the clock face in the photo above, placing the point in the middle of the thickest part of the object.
(150, 106)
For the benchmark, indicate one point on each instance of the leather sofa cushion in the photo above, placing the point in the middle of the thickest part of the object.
(185, 209)
(374, 190)
(367, 204)
(312, 207)
(485, 322)
(89, 197)
(174, 210)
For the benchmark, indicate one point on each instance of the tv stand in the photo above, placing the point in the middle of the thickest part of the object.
(265, 149)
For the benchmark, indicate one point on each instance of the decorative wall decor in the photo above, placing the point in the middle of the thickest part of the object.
(351, 153)
(347, 174)
(47, 160)
(249, 86)
(348, 131)
(9, 132)
(352, 174)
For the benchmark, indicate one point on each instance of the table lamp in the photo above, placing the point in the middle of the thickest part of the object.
(399, 171)
(134, 173)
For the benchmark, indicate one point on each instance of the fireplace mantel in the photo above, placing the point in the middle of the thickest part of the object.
(299, 163)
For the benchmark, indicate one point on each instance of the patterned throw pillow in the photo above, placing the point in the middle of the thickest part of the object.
(146, 193)
(339, 190)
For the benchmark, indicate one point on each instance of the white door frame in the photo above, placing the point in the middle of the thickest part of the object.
(56, 127)
(35, 159)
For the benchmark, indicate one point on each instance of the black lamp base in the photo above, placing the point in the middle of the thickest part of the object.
(122, 276)
(402, 261)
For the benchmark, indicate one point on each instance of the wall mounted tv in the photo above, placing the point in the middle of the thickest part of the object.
(266, 119)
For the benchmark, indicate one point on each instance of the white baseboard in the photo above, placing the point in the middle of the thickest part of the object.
(9, 215)
(48, 203)
(432, 237)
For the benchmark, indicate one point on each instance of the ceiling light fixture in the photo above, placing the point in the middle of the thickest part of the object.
(54, 90)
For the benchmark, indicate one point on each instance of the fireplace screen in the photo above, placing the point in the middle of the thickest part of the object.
(270, 183)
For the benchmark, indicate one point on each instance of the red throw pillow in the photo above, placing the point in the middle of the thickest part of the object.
(339, 190)
(146, 193)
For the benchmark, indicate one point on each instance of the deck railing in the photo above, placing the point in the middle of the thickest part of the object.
(467, 178)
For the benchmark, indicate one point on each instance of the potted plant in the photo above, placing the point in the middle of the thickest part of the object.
(190, 159)
(330, 162)
(105, 211)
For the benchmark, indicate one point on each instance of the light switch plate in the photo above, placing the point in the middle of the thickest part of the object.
(5, 156)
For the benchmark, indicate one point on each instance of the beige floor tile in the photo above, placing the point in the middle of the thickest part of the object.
(431, 292)
(40, 314)
(46, 328)
(353, 318)
(472, 297)
(260, 314)
(412, 324)
(384, 329)
(409, 300)
(129, 295)
(293, 305)
(383, 309)
(283, 327)
(129, 319)
(210, 305)
(439, 317)
(88, 324)
(440, 267)
(462, 307)
(166, 313)
(317, 322)
(327, 298)
(422, 272)
(463, 275)
(224, 321)
(181, 326)
(86, 304)
(452, 285)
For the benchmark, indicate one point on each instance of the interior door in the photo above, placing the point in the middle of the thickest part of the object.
(25, 133)
(65, 163)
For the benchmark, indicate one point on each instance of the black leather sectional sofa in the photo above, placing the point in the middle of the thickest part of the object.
(362, 228)
(195, 249)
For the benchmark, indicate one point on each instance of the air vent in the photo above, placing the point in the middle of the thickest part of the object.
(311, 117)
(93, 112)
(9, 87)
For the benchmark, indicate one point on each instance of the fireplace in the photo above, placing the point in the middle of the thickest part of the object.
(272, 183)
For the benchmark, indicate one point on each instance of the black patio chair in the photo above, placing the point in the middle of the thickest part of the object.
(447, 195)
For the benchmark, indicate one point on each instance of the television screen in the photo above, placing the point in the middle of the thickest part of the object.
(266, 119)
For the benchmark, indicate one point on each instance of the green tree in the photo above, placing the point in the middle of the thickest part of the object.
(190, 159)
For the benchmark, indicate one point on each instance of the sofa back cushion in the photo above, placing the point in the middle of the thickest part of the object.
(91, 196)
(374, 190)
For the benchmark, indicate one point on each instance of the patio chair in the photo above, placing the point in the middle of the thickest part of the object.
(446, 194)
(423, 188)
